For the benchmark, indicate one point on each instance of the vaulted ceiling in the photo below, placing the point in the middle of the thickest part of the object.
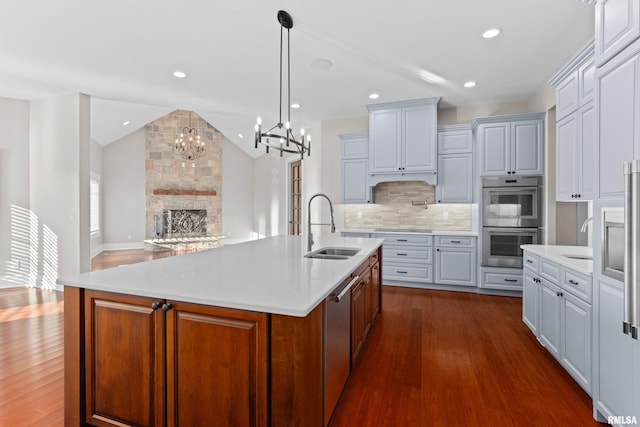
(124, 53)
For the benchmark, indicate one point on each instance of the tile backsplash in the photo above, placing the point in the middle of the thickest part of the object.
(394, 208)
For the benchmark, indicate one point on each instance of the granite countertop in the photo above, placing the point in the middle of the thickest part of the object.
(382, 230)
(558, 254)
(269, 275)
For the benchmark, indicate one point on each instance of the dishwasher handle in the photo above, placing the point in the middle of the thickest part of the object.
(338, 297)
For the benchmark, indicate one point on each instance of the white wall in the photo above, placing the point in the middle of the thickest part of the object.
(237, 193)
(270, 189)
(14, 190)
(59, 187)
(96, 169)
(452, 116)
(123, 188)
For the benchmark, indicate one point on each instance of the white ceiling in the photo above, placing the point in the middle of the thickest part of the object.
(123, 54)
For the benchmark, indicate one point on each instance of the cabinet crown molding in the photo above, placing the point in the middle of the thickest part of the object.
(507, 118)
(584, 55)
(401, 104)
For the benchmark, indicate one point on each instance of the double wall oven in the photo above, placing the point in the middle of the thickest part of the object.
(511, 216)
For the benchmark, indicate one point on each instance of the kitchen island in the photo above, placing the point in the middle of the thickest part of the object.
(228, 336)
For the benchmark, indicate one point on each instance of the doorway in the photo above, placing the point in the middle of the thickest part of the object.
(295, 197)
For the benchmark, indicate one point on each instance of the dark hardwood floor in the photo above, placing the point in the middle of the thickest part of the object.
(434, 358)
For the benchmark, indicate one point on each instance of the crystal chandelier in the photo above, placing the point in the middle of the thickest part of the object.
(280, 136)
(188, 144)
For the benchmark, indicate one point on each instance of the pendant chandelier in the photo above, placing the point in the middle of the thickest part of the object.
(188, 144)
(280, 137)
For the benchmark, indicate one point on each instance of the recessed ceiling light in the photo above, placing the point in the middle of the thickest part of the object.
(125, 123)
(240, 136)
(470, 83)
(491, 33)
(179, 74)
(321, 64)
(295, 105)
(374, 95)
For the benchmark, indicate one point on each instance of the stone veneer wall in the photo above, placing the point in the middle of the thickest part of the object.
(165, 170)
(393, 209)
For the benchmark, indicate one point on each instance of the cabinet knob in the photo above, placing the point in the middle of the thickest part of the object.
(156, 305)
(438, 250)
(578, 195)
(509, 172)
(513, 172)
(166, 307)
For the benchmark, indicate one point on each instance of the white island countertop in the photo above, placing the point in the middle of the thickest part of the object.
(562, 255)
(269, 275)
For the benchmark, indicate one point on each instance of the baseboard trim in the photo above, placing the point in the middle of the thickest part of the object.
(116, 247)
(24, 281)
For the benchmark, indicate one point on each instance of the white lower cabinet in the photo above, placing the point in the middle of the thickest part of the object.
(531, 301)
(550, 317)
(556, 307)
(406, 257)
(619, 356)
(576, 338)
(421, 259)
(455, 260)
(455, 266)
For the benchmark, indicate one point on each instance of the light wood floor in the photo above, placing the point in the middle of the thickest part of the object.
(434, 359)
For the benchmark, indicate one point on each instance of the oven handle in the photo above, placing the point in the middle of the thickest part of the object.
(511, 230)
(511, 189)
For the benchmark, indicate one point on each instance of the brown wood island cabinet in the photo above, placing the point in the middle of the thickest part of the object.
(139, 361)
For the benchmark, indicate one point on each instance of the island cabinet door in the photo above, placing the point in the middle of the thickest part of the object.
(124, 360)
(216, 367)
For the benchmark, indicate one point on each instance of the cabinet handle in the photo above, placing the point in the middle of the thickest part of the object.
(156, 305)
(166, 307)
(401, 254)
(511, 280)
(401, 272)
(573, 282)
(455, 241)
(401, 240)
(560, 294)
(513, 172)
(529, 261)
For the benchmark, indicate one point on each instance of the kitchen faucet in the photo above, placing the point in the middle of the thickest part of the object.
(309, 224)
(586, 222)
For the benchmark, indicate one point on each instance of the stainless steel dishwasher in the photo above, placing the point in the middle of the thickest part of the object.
(337, 344)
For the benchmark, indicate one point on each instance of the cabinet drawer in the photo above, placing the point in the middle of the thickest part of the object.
(549, 270)
(500, 278)
(577, 283)
(531, 261)
(407, 254)
(456, 242)
(406, 239)
(403, 272)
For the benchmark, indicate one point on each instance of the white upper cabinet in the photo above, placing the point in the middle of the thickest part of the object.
(575, 127)
(617, 26)
(455, 165)
(355, 168)
(402, 137)
(511, 145)
(618, 119)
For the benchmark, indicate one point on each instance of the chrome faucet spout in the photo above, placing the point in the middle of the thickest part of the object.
(309, 224)
(585, 224)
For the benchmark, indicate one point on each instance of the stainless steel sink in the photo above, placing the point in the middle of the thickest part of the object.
(585, 257)
(333, 253)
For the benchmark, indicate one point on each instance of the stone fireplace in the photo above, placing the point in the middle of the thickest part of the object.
(188, 192)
